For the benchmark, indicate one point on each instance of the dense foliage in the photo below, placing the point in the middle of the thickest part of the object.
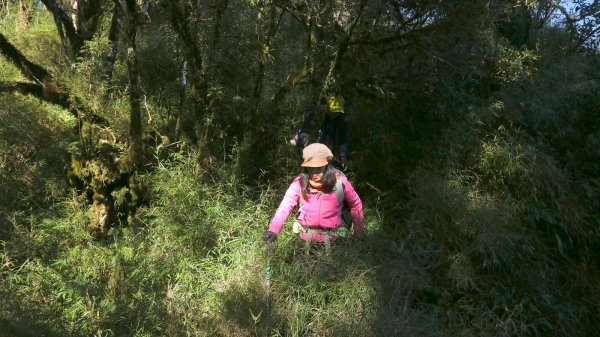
(143, 150)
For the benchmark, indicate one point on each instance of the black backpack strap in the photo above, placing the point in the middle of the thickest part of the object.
(339, 188)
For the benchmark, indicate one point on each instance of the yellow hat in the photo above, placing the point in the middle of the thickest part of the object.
(336, 103)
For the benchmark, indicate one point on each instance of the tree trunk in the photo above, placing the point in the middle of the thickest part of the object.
(64, 25)
(94, 167)
(79, 27)
(337, 62)
(218, 17)
(188, 124)
(135, 114)
(258, 140)
(113, 38)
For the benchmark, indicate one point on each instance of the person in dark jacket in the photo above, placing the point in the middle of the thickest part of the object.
(333, 131)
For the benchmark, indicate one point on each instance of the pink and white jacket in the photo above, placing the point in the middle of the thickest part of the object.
(319, 210)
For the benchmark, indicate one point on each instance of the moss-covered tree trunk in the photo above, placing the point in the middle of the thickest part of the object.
(135, 114)
(99, 170)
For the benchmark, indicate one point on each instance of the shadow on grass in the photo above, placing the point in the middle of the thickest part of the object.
(33, 156)
(16, 321)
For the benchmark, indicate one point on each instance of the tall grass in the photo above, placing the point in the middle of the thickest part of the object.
(192, 264)
(495, 227)
(31, 163)
(491, 247)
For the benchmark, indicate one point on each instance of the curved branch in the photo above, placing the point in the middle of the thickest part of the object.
(339, 54)
(61, 99)
(29, 69)
(569, 19)
(286, 7)
(44, 86)
(293, 81)
(24, 88)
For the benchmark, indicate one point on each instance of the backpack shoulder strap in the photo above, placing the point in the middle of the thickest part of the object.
(339, 188)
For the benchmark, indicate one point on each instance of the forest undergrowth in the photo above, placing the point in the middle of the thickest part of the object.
(476, 159)
(480, 250)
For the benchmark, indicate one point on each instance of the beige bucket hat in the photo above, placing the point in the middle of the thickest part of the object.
(316, 155)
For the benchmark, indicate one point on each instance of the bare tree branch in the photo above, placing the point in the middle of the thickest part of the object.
(24, 88)
(45, 87)
(29, 69)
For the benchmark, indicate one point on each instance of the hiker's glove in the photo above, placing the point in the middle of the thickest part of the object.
(345, 167)
(269, 237)
(303, 139)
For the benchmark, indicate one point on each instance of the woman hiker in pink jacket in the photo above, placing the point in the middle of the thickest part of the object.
(315, 189)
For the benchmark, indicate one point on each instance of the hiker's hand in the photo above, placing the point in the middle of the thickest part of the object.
(344, 167)
(269, 237)
(303, 139)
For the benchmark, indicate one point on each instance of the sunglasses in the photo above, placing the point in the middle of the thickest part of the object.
(314, 170)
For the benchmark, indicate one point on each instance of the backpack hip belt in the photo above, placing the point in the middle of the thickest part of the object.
(340, 232)
(309, 235)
